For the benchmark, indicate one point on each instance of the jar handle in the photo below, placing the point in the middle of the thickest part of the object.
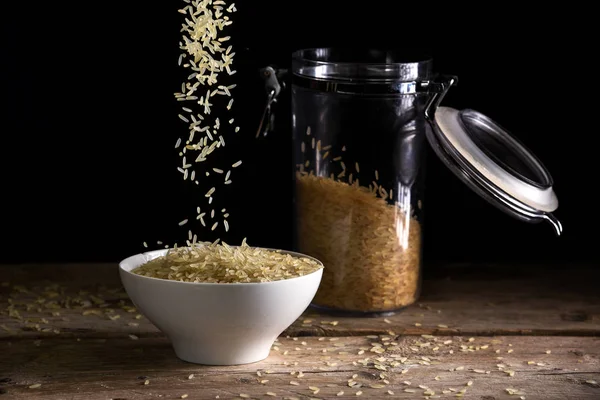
(439, 88)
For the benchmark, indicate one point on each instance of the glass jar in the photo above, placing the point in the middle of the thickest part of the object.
(361, 121)
(358, 140)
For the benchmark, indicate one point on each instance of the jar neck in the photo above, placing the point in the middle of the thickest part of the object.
(360, 66)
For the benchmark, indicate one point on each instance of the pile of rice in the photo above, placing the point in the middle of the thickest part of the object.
(221, 263)
(371, 249)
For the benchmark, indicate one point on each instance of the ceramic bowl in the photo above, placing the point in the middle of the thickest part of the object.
(219, 323)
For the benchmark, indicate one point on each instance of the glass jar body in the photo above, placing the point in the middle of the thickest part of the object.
(359, 171)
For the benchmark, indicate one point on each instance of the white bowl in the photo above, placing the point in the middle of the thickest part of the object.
(219, 323)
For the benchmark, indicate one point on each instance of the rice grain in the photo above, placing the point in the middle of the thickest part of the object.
(221, 263)
(381, 246)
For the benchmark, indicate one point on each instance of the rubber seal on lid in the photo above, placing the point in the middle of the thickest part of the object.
(494, 164)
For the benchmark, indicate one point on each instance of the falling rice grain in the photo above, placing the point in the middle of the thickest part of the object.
(214, 226)
(185, 221)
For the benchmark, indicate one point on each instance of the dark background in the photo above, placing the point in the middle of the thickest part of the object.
(89, 121)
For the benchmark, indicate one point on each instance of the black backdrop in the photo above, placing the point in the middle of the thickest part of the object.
(89, 122)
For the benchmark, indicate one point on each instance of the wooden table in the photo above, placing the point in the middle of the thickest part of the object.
(479, 332)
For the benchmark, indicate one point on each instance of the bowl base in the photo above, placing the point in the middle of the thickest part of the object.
(212, 355)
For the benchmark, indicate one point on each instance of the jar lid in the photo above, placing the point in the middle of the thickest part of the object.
(494, 164)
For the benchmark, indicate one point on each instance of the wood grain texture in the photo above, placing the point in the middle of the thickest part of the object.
(476, 314)
(469, 300)
(117, 369)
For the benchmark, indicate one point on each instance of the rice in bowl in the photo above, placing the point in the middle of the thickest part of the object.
(221, 263)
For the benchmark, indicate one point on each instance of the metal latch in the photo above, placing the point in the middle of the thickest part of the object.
(274, 85)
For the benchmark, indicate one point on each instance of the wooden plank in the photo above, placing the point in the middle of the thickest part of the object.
(118, 368)
(483, 301)
(469, 300)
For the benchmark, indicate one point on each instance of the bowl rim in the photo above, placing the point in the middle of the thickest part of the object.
(161, 252)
